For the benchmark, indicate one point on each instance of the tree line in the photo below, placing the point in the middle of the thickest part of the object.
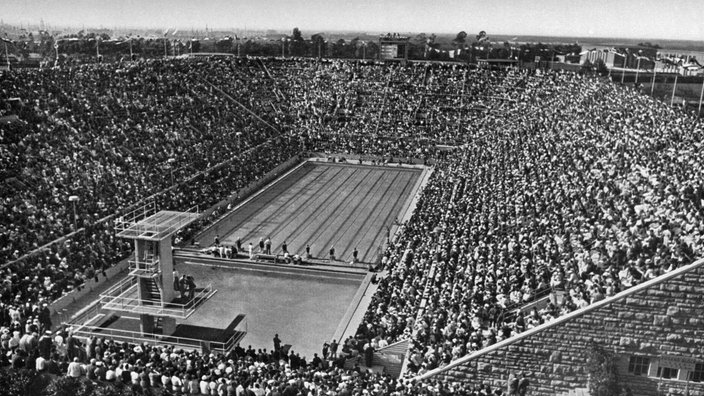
(464, 47)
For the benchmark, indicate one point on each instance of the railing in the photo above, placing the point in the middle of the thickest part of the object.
(511, 310)
(139, 223)
(124, 222)
(236, 337)
(120, 287)
(148, 267)
(124, 297)
(85, 315)
(140, 337)
(202, 295)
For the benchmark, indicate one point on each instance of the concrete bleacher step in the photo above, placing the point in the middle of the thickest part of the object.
(575, 392)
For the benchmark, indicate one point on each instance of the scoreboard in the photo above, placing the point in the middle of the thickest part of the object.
(389, 51)
(393, 47)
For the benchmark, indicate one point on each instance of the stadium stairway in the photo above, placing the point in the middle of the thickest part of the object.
(358, 361)
(153, 293)
(539, 302)
(391, 358)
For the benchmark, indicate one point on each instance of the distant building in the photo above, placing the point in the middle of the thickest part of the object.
(629, 58)
(608, 57)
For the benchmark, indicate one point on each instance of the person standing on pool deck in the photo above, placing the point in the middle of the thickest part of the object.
(307, 251)
(284, 248)
(355, 253)
(277, 343)
(268, 245)
(251, 251)
(332, 253)
(333, 349)
(261, 245)
(239, 244)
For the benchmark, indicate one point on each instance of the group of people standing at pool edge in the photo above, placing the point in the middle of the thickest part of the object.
(264, 247)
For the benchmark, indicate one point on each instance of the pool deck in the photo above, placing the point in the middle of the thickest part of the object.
(305, 305)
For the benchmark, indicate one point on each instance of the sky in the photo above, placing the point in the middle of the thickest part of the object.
(670, 19)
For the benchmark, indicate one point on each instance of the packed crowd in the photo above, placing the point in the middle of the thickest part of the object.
(115, 134)
(148, 369)
(577, 186)
(400, 111)
(112, 134)
(561, 182)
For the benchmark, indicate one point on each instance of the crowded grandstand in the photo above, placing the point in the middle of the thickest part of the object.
(544, 183)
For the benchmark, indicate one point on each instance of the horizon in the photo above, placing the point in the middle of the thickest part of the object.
(589, 20)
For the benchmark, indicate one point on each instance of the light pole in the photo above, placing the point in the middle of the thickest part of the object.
(637, 69)
(7, 56)
(97, 48)
(674, 88)
(73, 199)
(171, 161)
(701, 96)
